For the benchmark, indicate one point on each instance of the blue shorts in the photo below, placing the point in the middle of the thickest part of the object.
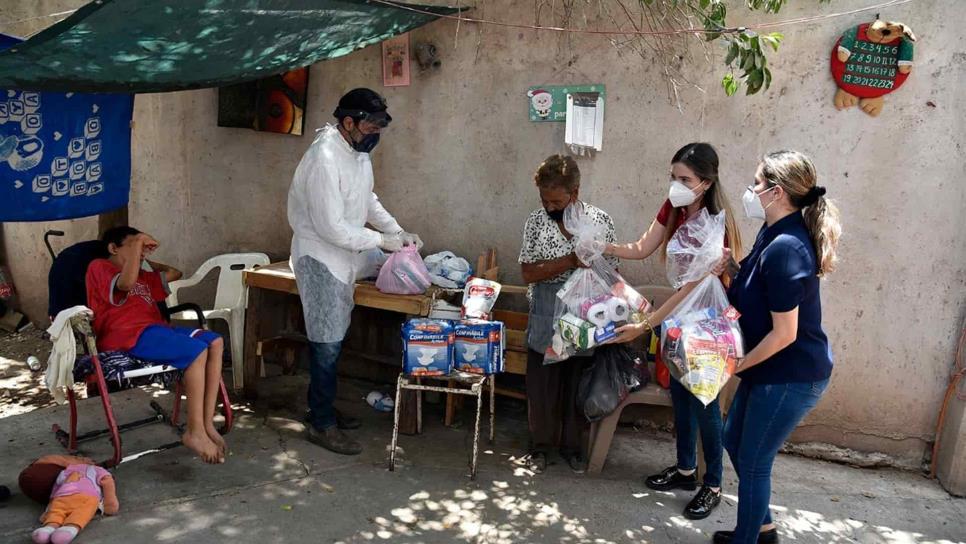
(172, 346)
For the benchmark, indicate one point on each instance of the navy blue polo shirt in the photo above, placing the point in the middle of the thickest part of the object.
(780, 273)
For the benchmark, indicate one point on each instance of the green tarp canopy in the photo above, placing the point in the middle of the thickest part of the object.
(144, 46)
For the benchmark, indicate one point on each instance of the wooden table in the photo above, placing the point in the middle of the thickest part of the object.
(278, 277)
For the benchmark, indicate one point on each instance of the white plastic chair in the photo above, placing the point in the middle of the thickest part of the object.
(231, 299)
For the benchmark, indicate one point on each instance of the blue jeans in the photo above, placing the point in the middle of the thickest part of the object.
(690, 416)
(762, 416)
(323, 372)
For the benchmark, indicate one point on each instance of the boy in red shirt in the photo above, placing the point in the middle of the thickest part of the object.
(124, 291)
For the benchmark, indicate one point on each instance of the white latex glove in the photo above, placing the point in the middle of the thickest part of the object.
(391, 242)
(410, 238)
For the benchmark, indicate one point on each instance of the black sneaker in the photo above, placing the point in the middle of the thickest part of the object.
(703, 503)
(334, 440)
(670, 479)
(765, 537)
(346, 422)
(576, 461)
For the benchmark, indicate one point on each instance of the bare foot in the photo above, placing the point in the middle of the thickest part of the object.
(216, 437)
(203, 446)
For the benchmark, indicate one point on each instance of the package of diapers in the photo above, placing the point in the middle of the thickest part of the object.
(479, 346)
(427, 347)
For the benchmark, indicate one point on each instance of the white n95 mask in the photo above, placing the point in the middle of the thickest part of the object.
(680, 195)
(752, 203)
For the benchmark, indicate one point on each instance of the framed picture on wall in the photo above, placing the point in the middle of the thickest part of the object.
(395, 61)
(273, 104)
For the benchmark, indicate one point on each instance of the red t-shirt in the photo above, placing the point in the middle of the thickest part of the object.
(119, 317)
(665, 212)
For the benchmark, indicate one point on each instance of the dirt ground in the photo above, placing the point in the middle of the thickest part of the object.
(22, 391)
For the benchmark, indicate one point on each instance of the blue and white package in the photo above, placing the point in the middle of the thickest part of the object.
(427, 347)
(479, 346)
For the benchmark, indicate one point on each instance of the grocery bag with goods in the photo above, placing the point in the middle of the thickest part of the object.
(701, 342)
(595, 300)
(404, 273)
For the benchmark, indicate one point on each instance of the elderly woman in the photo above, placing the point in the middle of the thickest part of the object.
(546, 260)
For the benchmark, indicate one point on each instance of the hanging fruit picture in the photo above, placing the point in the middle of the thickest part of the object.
(870, 61)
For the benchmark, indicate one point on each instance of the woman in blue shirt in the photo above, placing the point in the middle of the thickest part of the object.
(788, 361)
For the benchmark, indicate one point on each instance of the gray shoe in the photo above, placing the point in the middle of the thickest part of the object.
(334, 440)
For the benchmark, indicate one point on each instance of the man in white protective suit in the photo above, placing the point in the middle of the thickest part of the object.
(330, 203)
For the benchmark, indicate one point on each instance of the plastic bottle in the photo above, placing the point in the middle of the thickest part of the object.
(33, 363)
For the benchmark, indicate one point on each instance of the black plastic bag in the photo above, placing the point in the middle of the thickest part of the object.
(615, 373)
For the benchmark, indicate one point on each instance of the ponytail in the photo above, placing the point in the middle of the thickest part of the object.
(822, 221)
(795, 173)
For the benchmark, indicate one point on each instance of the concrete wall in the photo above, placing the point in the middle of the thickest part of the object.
(456, 167)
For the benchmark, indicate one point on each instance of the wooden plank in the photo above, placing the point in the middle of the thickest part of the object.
(367, 295)
(512, 320)
(515, 363)
(513, 289)
(279, 277)
(516, 340)
(261, 279)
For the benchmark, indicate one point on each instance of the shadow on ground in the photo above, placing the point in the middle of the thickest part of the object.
(278, 488)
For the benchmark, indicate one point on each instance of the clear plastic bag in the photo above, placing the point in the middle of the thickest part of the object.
(695, 247)
(404, 273)
(447, 270)
(701, 342)
(595, 300)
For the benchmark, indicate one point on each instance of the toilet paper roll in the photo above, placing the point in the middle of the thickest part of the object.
(617, 310)
(598, 314)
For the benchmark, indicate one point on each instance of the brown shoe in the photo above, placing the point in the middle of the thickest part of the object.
(334, 440)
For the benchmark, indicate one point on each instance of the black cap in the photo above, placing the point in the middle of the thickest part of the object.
(364, 104)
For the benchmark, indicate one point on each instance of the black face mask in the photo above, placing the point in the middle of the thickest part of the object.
(366, 144)
(556, 215)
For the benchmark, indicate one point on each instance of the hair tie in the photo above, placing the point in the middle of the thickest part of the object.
(812, 196)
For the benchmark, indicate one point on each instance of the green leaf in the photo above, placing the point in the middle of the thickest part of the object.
(759, 60)
(767, 73)
(729, 84)
(754, 82)
(732, 53)
(747, 60)
(773, 39)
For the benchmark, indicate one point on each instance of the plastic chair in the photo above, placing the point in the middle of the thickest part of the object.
(231, 299)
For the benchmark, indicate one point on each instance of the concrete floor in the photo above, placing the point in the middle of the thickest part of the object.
(277, 488)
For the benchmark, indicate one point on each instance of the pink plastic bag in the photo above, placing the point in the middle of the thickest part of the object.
(404, 273)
